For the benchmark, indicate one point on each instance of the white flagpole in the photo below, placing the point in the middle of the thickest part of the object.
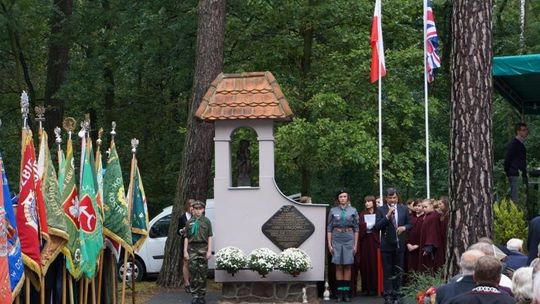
(380, 134)
(426, 109)
(379, 35)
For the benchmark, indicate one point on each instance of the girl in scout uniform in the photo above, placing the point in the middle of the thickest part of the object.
(342, 235)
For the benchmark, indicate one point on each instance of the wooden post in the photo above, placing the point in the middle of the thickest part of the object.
(27, 290)
(93, 283)
(114, 279)
(42, 290)
(71, 294)
(124, 275)
(81, 291)
(134, 144)
(86, 285)
(133, 281)
(100, 277)
(64, 284)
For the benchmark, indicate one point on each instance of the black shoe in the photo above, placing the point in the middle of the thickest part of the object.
(195, 301)
(339, 296)
(346, 297)
(187, 288)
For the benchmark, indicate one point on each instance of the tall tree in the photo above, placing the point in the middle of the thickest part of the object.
(471, 143)
(57, 63)
(197, 155)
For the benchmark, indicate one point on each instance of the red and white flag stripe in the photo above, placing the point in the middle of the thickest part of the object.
(377, 48)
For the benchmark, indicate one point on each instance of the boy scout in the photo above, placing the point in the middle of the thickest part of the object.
(198, 249)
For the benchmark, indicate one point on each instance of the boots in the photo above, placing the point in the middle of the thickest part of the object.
(346, 291)
(343, 291)
(339, 291)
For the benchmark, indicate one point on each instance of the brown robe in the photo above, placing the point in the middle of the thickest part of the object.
(366, 256)
(431, 235)
(413, 238)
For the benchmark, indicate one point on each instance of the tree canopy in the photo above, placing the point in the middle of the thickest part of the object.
(133, 63)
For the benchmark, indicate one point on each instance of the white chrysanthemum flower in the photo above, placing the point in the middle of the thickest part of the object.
(294, 261)
(262, 260)
(231, 259)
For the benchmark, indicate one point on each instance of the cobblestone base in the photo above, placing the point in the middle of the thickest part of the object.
(268, 292)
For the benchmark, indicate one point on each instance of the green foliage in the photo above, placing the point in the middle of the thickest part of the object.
(420, 281)
(148, 46)
(509, 222)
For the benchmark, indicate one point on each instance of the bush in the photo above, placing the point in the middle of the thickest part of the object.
(509, 222)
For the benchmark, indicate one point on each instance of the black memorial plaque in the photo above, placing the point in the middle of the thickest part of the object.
(288, 227)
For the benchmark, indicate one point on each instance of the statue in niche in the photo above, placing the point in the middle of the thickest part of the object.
(243, 159)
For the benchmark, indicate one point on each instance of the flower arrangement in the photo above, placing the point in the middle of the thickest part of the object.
(294, 261)
(230, 259)
(262, 260)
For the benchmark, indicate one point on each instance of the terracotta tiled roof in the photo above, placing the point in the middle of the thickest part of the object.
(252, 95)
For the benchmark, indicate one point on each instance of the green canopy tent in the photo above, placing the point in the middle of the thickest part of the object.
(517, 78)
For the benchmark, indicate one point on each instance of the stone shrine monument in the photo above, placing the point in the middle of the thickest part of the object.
(256, 215)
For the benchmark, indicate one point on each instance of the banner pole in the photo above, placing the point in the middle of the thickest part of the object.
(64, 284)
(100, 277)
(426, 109)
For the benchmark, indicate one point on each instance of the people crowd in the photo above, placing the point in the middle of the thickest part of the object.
(385, 243)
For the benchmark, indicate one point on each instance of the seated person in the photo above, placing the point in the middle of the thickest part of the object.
(515, 258)
(465, 283)
(487, 274)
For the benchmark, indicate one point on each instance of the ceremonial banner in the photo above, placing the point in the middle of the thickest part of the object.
(91, 229)
(99, 180)
(5, 285)
(71, 213)
(16, 268)
(139, 212)
(116, 207)
(58, 236)
(378, 66)
(28, 209)
(61, 170)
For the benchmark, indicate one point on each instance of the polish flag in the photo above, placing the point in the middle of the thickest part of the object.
(377, 49)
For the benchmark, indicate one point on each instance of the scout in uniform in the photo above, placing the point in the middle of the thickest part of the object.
(342, 235)
(198, 249)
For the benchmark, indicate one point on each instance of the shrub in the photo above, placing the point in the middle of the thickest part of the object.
(509, 222)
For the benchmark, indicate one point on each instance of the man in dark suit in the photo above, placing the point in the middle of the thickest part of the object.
(465, 283)
(533, 239)
(392, 221)
(516, 160)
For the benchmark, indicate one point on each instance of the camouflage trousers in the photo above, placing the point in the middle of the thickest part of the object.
(198, 268)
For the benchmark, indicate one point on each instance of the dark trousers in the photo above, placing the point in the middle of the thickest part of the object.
(393, 271)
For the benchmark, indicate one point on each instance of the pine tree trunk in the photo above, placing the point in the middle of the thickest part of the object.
(195, 172)
(471, 146)
(57, 63)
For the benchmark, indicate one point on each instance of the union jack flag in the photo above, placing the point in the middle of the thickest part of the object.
(433, 61)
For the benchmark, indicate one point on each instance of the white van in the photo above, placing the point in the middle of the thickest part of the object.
(149, 258)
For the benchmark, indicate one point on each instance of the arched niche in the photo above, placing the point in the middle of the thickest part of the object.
(244, 153)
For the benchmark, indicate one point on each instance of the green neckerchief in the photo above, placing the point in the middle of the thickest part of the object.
(343, 214)
(195, 227)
